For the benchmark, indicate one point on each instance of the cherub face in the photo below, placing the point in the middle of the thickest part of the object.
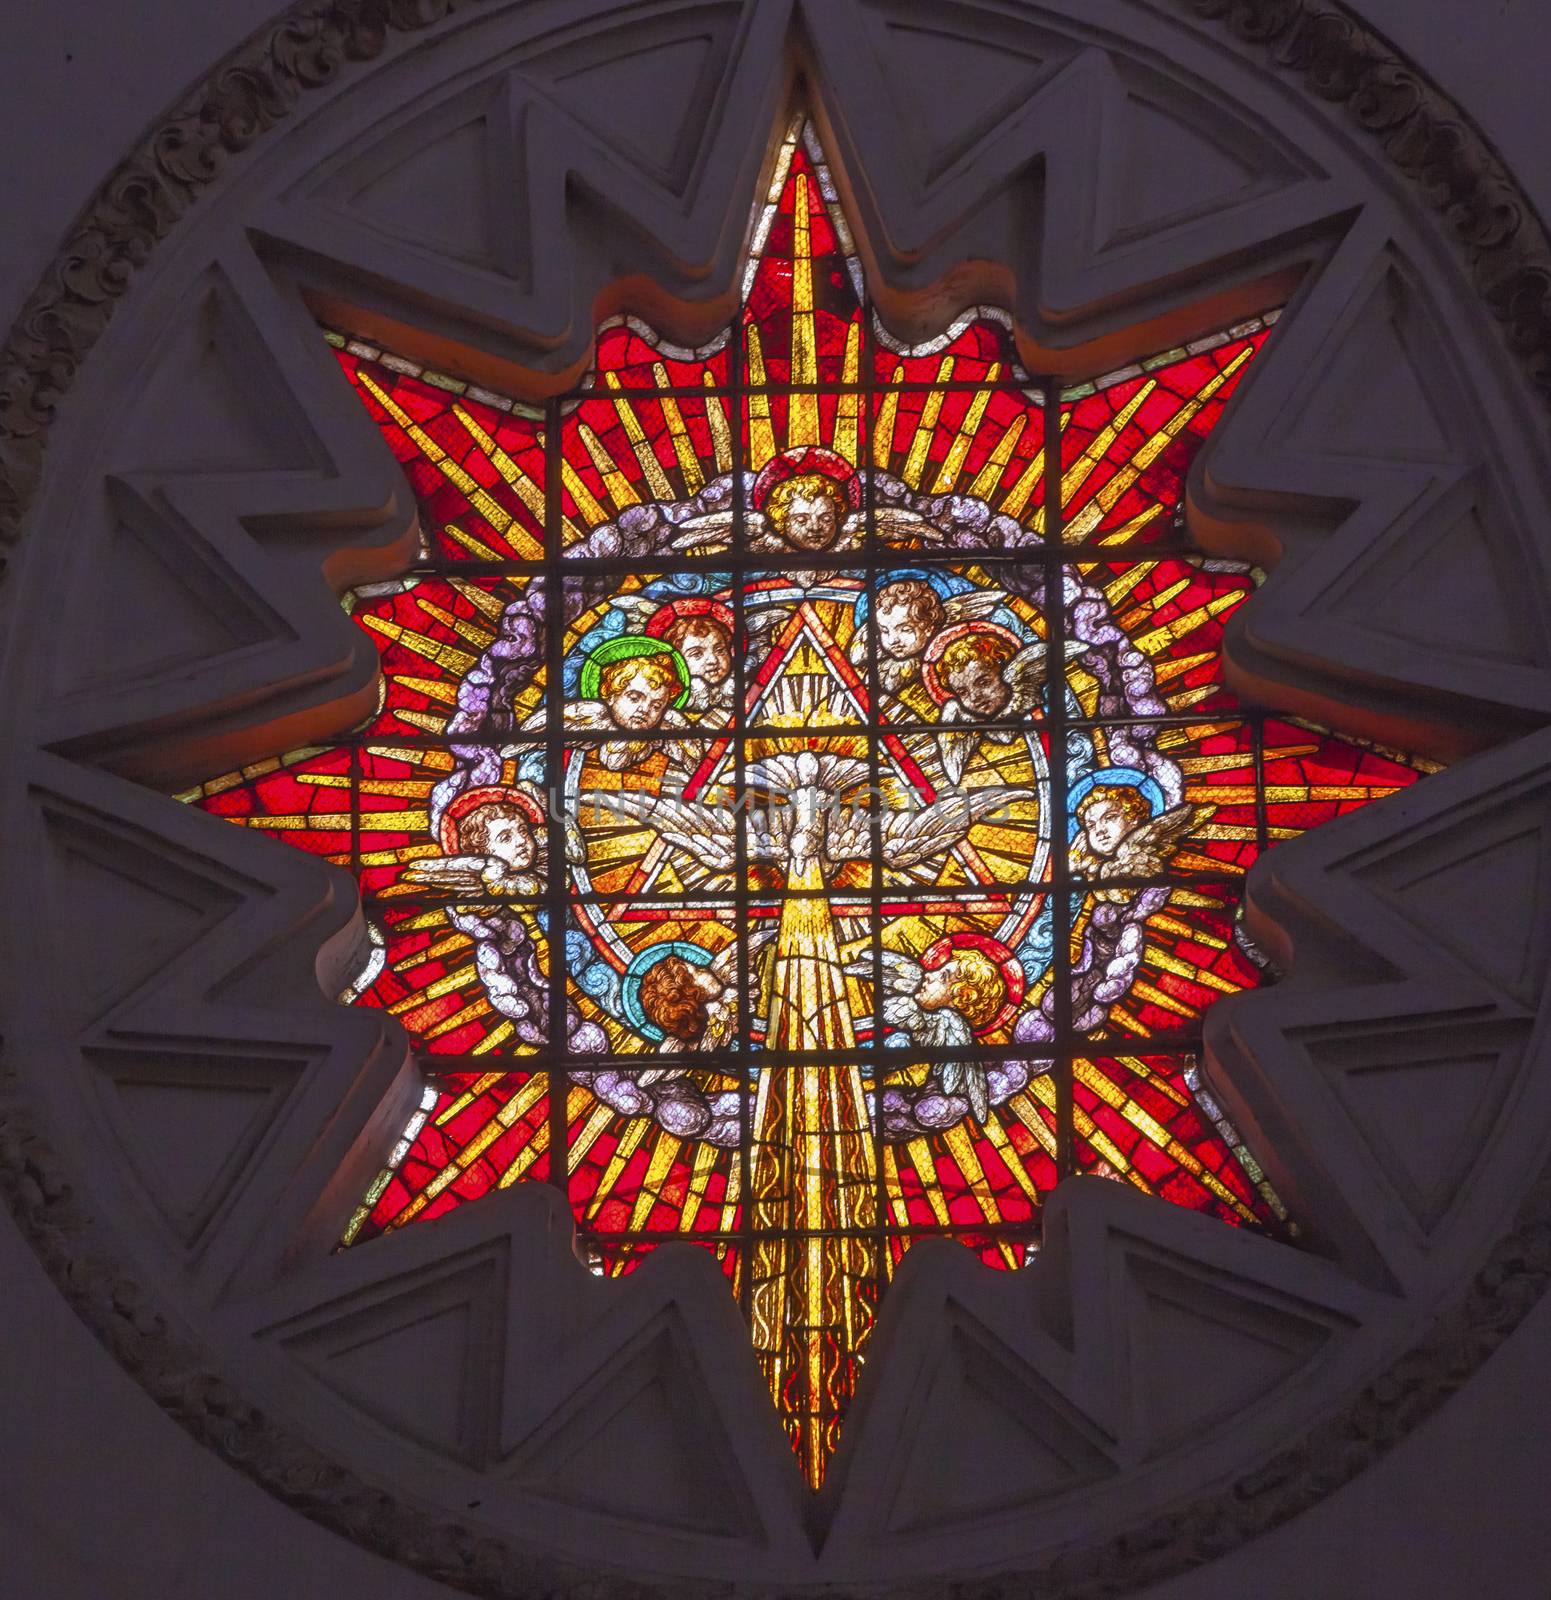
(979, 688)
(936, 989)
(706, 653)
(640, 702)
(901, 632)
(811, 524)
(1106, 825)
(510, 839)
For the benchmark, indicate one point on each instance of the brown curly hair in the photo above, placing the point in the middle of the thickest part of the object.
(804, 486)
(919, 599)
(1127, 796)
(671, 998)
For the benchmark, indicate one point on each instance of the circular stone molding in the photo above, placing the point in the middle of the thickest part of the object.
(176, 1330)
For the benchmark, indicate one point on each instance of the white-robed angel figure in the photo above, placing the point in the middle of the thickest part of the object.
(629, 684)
(981, 672)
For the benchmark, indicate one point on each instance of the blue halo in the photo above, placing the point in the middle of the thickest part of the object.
(630, 984)
(1113, 778)
(939, 583)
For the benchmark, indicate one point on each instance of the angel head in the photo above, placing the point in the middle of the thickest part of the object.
(500, 829)
(637, 679)
(705, 642)
(1108, 813)
(973, 670)
(969, 981)
(676, 997)
(807, 510)
(909, 613)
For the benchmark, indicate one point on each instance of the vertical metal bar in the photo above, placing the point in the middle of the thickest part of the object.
(1057, 723)
(554, 757)
(738, 573)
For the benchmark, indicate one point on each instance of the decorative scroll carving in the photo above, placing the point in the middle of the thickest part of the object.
(1338, 59)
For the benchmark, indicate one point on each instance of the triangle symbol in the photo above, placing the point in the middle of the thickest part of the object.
(1427, 1115)
(1202, 1353)
(191, 1125)
(1474, 902)
(428, 185)
(1379, 394)
(952, 92)
(416, 1362)
(643, 1440)
(1174, 173)
(151, 569)
(630, 94)
(123, 912)
(1438, 585)
(983, 1406)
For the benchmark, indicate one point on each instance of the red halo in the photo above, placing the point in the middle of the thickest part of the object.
(941, 641)
(808, 459)
(682, 610)
(1012, 970)
(460, 806)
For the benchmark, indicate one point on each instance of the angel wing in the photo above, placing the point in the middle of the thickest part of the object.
(901, 975)
(725, 966)
(894, 525)
(638, 610)
(953, 748)
(1025, 674)
(911, 837)
(708, 835)
(1146, 850)
(458, 875)
(973, 604)
(714, 528)
(943, 1029)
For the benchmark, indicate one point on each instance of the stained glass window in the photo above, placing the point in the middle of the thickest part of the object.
(804, 813)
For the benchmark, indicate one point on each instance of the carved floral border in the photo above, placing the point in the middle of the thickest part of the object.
(1317, 43)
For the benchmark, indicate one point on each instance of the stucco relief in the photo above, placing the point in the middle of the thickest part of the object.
(197, 535)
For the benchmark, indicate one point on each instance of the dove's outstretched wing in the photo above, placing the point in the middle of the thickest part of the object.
(710, 836)
(1146, 850)
(911, 837)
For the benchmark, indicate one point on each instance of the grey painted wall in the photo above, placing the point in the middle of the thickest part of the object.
(101, 1497)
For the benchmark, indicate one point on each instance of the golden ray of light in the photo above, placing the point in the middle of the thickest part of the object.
(894, 1187)
(997, 1134)
(657, 1169)
(683, 445)
(883, 428)
(805, 355)
(651, 467)
(1144, 990)
(1081, 469)
(705, 1160)
(1130, 529)
(635, 1132)
(481, 599)
(318, 821)
(422, 719)
(1156, 639)
(990, 475)
(721, 432)
(1188, 970)
(961, 1147)
(1161, 1084)
(497, 1036)
(531, 495)
(1152, 605)
(1117, 589)
(602, 1115)
(413, 755)
(619, 488)
(524, 1159)
(762, 445)
(494, 513)
(587, 503)
(1016, 500)
(915, 460)
(1164, 923)
(848, 409)
(1166, 671)
(1027, 1113)
(443, 654)
(431, 688)
(920, 1153)
(472, 543)
(468, 1097)
(1092, 514)
(953, 461)
(462, 626)
(444, 985)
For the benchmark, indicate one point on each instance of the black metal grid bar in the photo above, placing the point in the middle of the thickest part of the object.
(554, 755)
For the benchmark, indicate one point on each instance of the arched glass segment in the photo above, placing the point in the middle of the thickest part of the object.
(804, 814)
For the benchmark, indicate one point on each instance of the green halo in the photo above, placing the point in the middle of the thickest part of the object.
(629, 647)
